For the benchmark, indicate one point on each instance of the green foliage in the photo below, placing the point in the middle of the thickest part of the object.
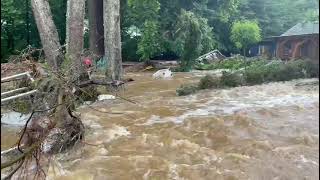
(144, 15)
(275, 17)
(212, 22)
(256, 72)
(235, 63)
(193, 37)
(261, 73)
(142, 11)
(21, 105)
(186, 90)
(12, 28)
(130, 48)
(209, 82)
(229, 64)
(150, 43)
(245, 33)
(189, 39)
(231, 79)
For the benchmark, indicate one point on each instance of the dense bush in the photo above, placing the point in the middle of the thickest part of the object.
(256, 72)
(208, 82)
(186, 90)
(229, 79)
(232, 63)
(260, 73)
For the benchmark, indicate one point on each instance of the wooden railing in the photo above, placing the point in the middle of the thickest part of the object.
(12, 93)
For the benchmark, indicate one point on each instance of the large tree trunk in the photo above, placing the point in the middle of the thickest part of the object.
(96, 33)
(74, 36)
(112, 39)
(48, 33)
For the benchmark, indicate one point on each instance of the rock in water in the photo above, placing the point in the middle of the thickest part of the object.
(163, 73)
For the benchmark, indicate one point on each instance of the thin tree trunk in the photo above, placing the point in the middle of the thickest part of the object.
(48, 33)
(96, 39)
(100, 27)
(74, 39)
(27, 21)
(112, 39)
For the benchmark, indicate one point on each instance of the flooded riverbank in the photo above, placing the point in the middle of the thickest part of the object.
(269, 131)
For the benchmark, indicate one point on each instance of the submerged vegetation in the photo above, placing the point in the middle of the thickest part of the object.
(252, 72)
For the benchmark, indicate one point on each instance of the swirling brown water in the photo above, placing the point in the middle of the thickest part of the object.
(266, 132)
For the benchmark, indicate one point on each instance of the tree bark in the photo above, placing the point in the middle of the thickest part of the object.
(96, 30)
(112, 39)
(27, 21)
(48, 33)
(74, 36)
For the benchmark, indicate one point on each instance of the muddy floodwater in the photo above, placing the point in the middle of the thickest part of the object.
(263, 132)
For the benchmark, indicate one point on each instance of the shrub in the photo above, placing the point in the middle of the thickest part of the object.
(231, 79)
(310, 69)
(255, 73)
(209, 82)
(260, 73)
(186, 90)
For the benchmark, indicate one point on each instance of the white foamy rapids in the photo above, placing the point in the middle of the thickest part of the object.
(230, 102)
(14, 118)
(116, 132)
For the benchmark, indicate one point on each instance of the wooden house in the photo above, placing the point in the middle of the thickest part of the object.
(299, 42)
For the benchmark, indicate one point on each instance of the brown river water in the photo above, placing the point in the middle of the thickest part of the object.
(264, 132)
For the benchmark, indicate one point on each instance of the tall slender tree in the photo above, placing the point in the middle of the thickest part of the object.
(48, 33)
(74, 36)
(112, 39)
(96, 30)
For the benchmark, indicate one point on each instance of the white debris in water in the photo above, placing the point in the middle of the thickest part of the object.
(106, 97)
(163, 73)
(116, 132)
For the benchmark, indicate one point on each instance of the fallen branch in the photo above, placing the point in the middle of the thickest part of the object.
(99, 82)
(21, 156)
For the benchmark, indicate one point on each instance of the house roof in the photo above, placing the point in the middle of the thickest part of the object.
(302, 29)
